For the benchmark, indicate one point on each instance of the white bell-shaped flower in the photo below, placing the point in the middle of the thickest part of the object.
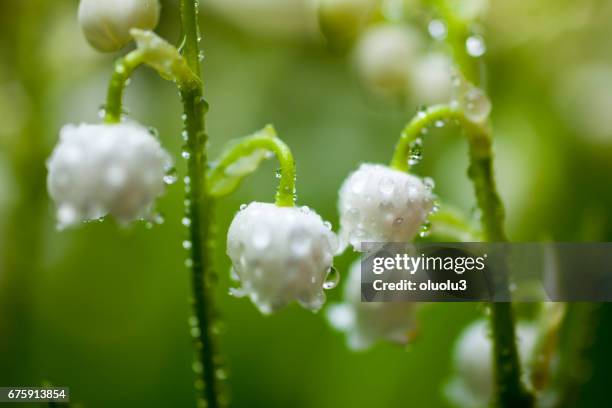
(472, 385)
(366, 323)
(384, 55)
(107, 23)
(102, 169)
(380, 204)
(281, 254)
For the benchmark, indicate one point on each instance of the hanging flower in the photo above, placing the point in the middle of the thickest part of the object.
(107, 23)
(380, 204)
(472, 385)
(366, 323)
(102, 169)
(281, 254)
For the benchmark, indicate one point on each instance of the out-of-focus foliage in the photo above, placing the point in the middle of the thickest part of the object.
(104, 309)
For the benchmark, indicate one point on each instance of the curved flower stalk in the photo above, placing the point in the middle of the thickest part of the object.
(471, 113)
(279, 252)
(366, 323)
(472, 386)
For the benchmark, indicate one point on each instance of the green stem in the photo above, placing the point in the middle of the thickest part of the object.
(199, 210)
(510, 391)
(265, 139)
(458, 31)
(124, 67)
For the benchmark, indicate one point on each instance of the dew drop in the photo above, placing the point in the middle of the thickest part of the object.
(261, 238)
(186, 244)
(278, 174)
(398, 221)
(243, 207)
(300, 243)
(425, 230)
(386, 187)
(437, 29)
(186, 221)
(476, 105)
(332, 279)
(475, 46)
(429, 183)
(327, 225)
(153, 132)
(439, 123)
(185, 154)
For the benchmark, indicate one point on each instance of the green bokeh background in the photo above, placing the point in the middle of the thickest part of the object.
(103, 309)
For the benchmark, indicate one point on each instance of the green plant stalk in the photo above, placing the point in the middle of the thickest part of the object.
(264, 139)
(199, 210)
(458, 32)
(124, 67)
(509, 390)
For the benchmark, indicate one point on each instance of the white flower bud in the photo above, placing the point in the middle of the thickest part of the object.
(280, 254)
(366, 323)
(383, 57)
(380, 204)
(115, 169)
(107, 23)
(472, 385)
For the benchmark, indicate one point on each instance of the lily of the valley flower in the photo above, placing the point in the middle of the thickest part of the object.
(472, 385)
(102, 169)
(380, 204)
(366, 323)
(280, 254)
(107, 23)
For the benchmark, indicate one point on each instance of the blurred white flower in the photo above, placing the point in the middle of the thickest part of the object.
(384, 55)
(280, 254)
(431, 79)
(472, 385)
(380, 204)
(102, 169)
(366, 323)
(107, 23)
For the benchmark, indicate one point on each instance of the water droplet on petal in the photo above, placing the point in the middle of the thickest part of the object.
(386, 187)
(332, 279)
(261, 238)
